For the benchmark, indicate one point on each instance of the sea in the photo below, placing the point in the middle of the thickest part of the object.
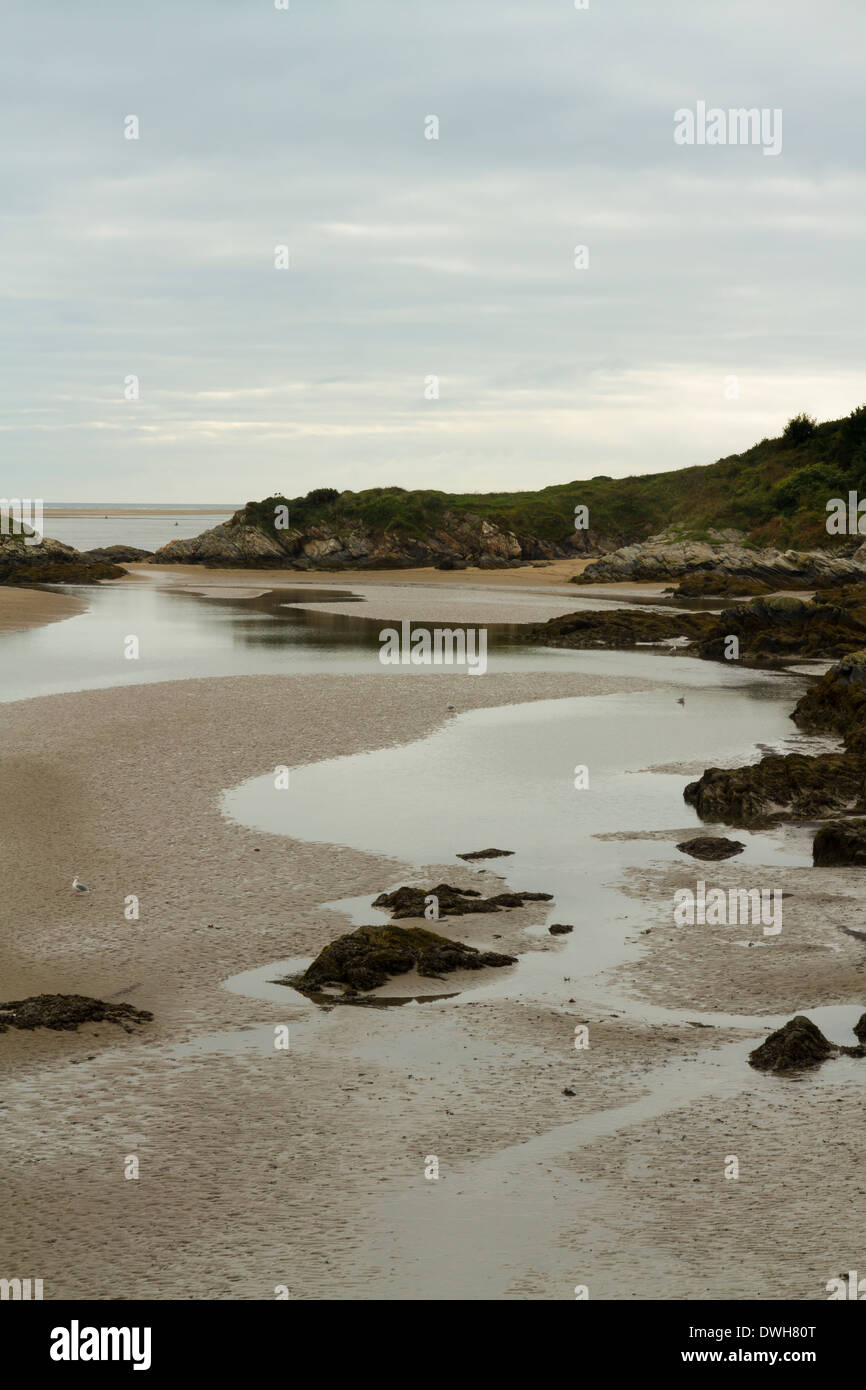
(147, 525)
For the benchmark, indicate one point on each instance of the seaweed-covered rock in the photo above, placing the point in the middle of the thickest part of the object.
(860, 1029)
(621, 628)
(773, 628)
(799, 1044)
(368, 957)
(711, 847)
(780, 787)
(716, 584)
(452, 902)
(781, 627)
(840, 843)
(117, 554)
(559, 928)
(65, 1012)
(485, 854)
(50, 562)
(837, 703)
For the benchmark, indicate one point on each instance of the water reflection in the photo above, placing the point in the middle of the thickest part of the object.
(186, 635)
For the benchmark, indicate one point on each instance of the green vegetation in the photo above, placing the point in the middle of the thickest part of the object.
(776, 492)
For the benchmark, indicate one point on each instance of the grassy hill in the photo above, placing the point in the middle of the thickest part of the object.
(776, 492)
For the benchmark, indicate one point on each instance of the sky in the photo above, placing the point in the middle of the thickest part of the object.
(720, 293)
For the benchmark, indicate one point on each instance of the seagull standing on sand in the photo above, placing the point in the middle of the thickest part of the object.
(78, 887)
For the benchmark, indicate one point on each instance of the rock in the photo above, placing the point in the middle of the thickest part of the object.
(486, 854)
(837, 703)
(788, 569)
(711, 847)
(452, 902)
(339, 540)
(117, 554)
(65, 1012)
(50, 562)
(776, 628)
(559, 929)
(715, 584)
(840, 843)
(779, 787)
(783, 627)
(794, 1047)
(620, 627)
(368, 957)
(860, 1029)
(230, 544)
(797, 786)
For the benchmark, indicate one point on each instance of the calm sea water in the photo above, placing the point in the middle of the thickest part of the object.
(145, 532)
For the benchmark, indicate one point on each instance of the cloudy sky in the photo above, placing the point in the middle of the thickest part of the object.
(410, 257)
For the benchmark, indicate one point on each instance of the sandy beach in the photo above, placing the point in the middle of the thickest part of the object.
(313, 1176)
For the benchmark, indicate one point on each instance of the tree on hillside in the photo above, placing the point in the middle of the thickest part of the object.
(799, 428)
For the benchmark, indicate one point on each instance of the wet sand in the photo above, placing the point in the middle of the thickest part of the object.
(313, 1177)
(554, 572)
(25, 608)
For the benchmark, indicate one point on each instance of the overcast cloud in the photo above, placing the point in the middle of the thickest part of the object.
(413, 257)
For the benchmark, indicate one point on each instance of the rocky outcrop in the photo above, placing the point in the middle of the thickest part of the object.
(797, 1046)
(840, 844)
(50, 562)
(229, 545)
(789, 569)
(837, 703)
(451, 902)
(780, 787)
(784, 628)
(486, 854)
(621, 628)
(797, 786)
(452, 539)
(774, 629)
(711, 847)
(715, 584)
(117, 554)
(367, 958)
(66, 1012)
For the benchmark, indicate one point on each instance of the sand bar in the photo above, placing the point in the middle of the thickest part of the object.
(24, 608)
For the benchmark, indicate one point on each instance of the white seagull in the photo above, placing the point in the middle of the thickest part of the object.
(78, 887)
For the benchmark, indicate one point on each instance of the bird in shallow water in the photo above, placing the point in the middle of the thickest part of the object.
(78, 887)
(681, 700)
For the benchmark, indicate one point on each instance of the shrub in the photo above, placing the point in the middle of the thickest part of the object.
(799, 428)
